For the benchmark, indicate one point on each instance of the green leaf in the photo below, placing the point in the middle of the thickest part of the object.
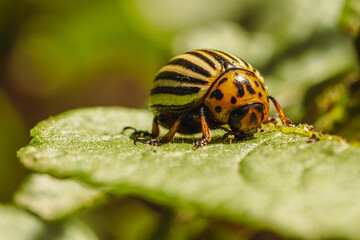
(52, 198)
(16, 224)
(350, 19)
(285, 181)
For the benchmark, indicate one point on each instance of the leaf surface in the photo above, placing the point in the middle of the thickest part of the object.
(281, 180)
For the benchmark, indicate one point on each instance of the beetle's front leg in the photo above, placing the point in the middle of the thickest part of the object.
(284, 119)
(206, 134)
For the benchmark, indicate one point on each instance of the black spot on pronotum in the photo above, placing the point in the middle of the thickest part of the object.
(242, 80)
(260, 95)
(249, 87)
(256, 83)
(222, 80)
(217, 94)
(233, 100)
(218, 109)
(240, 88)
(253, 118)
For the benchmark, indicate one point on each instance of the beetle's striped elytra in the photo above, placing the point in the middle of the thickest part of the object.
(208, 89)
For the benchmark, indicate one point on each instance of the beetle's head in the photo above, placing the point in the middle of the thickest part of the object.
(238, 98)
(246, 118)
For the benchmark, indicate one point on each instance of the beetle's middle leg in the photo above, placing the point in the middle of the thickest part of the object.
(206, 134)
(154, 132)
(167, 137)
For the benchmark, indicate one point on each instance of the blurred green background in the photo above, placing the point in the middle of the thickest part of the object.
(59, 55)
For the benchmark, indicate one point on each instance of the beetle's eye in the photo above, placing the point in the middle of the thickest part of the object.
(236, 116)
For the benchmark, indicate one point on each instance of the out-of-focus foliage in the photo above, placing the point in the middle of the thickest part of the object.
(12, 136)
(128, 219)
(333, 105)
(350, 19)
(69, 46)
(17, 224)
(45, 196)
(108, 52)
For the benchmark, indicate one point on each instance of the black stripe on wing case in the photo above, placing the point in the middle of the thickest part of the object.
(246, 64)
(190, 65)
(175, 90)
(179, 77)
(173, 107)
(204, 58)
(231, 57)
(218, 58)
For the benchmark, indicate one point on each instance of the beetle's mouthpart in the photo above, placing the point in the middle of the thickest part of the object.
(246, 117)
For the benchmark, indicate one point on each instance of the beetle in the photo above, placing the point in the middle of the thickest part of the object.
(208, 89)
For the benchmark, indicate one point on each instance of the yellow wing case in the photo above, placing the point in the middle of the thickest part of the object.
(184, 81)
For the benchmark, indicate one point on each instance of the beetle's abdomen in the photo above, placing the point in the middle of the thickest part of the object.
(183, 83)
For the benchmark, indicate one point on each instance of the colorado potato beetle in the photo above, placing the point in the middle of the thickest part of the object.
(208, 89)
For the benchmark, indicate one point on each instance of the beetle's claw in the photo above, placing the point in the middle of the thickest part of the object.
(288, 122)
(140, 139)
(200, 143)
(273, 118)
(226, 135)
(155, 141)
